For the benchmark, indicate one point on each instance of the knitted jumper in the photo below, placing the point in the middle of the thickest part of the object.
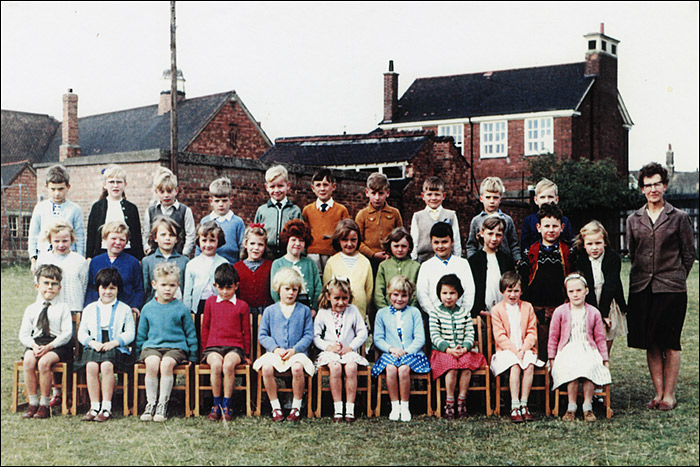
(450, 328)
(254, 287)
(226, 324)
(322, 224)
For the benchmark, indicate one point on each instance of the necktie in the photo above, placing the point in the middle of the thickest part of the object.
(43, 320)
(324, 206)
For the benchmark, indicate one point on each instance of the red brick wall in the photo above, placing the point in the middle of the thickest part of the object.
(19, 201)
(230, 133)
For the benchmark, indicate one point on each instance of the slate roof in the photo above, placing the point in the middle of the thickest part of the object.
(547, 88)
(25, 137)
(372, 148)
(142, 128)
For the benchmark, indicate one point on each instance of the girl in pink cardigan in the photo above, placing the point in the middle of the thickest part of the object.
(515, 334)
(576, 348)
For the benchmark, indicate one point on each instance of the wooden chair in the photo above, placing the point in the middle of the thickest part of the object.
(80, 381)
(427, 392)
(286, 374)
(603, 392)
(364, 383)
(543, 373)
(63, 368)
(202, 370)
(482, 371)
(183, 369)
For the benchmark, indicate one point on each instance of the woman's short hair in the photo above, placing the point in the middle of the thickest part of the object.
(651, 169)
(296, 228)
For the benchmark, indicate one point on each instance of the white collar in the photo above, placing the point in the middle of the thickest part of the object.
(226, 217)
(283, 201)
(219, 299)
(328, 203)
(597, 261)
(175, 206)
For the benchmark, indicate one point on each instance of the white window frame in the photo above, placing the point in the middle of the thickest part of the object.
(457, 133)
(493, 139)
(375, 168)
(539, 135)
(13, 224)
(26, 223)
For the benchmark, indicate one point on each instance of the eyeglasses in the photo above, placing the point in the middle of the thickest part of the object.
(656, 185)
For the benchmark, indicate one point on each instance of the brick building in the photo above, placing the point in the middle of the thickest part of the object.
(219, 126)
(407, 158)
(500, 118)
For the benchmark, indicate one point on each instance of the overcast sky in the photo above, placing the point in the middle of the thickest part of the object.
(316, 68)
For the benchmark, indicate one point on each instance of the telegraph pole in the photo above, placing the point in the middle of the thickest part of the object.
(173, 92)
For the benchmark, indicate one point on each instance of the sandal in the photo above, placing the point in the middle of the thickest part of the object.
(652, 404)
(461, 410)
(449, 412)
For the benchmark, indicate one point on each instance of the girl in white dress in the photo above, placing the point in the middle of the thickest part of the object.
(576, 349)
(339, 331)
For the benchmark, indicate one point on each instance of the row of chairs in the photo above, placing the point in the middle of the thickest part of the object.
(197, 377)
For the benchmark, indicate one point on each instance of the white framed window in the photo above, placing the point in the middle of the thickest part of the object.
(538, 136)
(457, 133)
(494, 139)
(26, 221)
(13, 222)
(392, 171)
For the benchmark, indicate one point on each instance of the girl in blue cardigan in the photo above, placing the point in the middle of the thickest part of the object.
(399, 333)
(286, 332)
(106, 330)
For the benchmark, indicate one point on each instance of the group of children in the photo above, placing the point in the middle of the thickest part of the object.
(315, 276)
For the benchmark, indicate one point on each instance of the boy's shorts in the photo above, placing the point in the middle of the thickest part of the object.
(178, 355)
(64, 352)
(223, 351)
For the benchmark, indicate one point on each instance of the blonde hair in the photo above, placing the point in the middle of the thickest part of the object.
(575, 276)
(401, 284)
(117, 227)
(546, 184)
(220, 188)
(289, 277)
(276, 171)
(340, 283)
(492, 184)
(253, 230)
(164, 180)
(56, 227)
(112, 171)
(166, 269)
(592, 228)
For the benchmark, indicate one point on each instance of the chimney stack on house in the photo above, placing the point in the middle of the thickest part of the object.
(69, 128)
(601, 58)
(391, 93)
(164, 105)
(670, 165)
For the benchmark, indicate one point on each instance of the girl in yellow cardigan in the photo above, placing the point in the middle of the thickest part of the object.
(348, 262)
(515, 334)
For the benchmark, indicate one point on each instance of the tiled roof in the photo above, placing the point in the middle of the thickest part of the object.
(142, 128)
(372, 148)
(25, 136)
(525, 90)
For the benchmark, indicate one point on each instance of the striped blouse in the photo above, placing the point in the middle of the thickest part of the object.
(450, 328)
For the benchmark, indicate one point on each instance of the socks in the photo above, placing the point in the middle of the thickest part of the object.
(107, 406)
(450, 401)
(338, 406)
(405, 412)
(395, 410)
(226, 402)
(34, 400)
(166, 387)
(523, 402)
(514, 404)
(44, 400)
(461, 400)
(587, 406)
(276, 404)
(296, 404)
(94, 407)
(151, 390)
(350, 409)
(217, 401)
(571, 407)
(55, 390)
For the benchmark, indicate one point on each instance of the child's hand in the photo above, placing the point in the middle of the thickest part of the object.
(606, 364)
(32, 267)
(607, 322)
(137, 311)
(96, 345)
(344, 349)
(520, 354)
(452, 352)
(247, 361)
(43, 350)
(396, 352)
(335, 348)
(313, 313)
(110, 345)
(381, 255)
(280, 352)
(288, 354)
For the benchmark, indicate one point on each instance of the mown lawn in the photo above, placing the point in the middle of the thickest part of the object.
(634, 436)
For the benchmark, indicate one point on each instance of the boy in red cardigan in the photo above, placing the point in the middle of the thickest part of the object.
(225, 338)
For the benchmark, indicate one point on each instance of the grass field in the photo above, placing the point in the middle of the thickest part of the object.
(634, 436)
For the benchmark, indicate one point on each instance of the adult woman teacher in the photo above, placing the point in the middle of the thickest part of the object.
(662, 252)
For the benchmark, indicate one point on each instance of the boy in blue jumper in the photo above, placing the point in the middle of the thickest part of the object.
(231, 224)
(166, 337)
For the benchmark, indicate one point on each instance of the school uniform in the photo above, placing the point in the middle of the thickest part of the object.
(105, 322)
(58, 332)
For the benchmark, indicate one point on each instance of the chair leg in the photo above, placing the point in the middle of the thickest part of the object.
(125, 394)
(15, 387)
(370, 413)
(309, 398)
(64, 388)
(135, 405)
(319, 393)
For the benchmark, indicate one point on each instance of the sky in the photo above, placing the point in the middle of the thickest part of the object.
(316, 68)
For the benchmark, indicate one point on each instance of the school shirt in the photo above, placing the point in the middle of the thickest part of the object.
(60, 323)
(430, 273)
(421, 223)
(179, 213)
(75, 277)
(480, 266)
(149, 263)
(132, 278)
(233, 228)
(46, 213)
(274, 218)
(375, 225)
(509, 245)
(323, 224)
(226, 323)
(116, 317)
(167, 326)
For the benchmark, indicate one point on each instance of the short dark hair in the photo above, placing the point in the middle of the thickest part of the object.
(211, 227)
(226, 275)
(441, 229)
(509, 279)
(396, 235)
(453, 281)
(651, 169)
(550, 210)
(109, 276)
(50, 271)
(320, 174)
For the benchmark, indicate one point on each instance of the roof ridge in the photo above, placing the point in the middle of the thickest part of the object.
(500, 71)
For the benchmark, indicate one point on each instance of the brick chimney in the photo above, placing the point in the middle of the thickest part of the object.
(601, 58)
(670, 165)
(69, 128)
(391, 93)
(165, 103)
